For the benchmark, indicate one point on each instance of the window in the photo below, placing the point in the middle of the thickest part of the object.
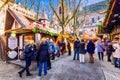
(93, 20)
(60, 10)
(98, 17)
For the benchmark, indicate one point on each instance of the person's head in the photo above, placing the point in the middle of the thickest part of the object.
(31, 42)
(77, 39)
(28, 42)
(51, 40)
(42, 40)
(99, 39)
(82, 40)
(116, 39)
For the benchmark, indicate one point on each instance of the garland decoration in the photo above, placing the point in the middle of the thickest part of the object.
(37, 30)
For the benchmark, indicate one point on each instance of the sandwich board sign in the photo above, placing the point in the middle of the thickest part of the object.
(12, 42)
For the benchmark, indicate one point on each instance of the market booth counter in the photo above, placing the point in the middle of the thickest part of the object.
(17, 39)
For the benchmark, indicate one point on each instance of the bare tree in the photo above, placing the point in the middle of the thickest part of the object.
(79, 23)
(32, 4)
(38, 7)
(25, 3)
(64, 20)
(6, 2)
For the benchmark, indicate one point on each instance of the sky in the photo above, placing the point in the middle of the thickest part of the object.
(93, 1)
(45, 5)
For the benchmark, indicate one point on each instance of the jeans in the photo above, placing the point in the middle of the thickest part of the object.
(40, 68)
(100, 55)
(49, 63)
(28, 63)
(109, 55)
(115, 61)
(69, 51)
(53, 56)
(119, 63)
(76, 52)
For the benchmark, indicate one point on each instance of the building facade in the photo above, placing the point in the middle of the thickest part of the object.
(94, 16)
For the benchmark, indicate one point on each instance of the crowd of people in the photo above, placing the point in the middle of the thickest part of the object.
(48, 51)
(112, 50)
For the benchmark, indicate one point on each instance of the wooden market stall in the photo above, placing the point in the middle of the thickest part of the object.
(19, 29)
(112, 19)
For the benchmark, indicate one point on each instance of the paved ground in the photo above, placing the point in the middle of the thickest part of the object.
(65, 69)
(110, 72)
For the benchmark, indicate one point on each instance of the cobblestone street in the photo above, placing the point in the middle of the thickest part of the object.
(65, 69)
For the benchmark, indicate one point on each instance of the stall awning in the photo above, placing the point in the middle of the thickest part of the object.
(19, 31)
(113, 16)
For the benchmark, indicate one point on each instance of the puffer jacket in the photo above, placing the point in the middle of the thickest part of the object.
(82, 48)
(116, 54)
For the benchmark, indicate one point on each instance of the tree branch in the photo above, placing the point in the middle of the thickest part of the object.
(55, 11)
(73, 13)
(32, 3)
(4, 4)
(63, 20)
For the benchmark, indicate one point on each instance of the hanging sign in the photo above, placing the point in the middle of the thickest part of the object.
(12, 42)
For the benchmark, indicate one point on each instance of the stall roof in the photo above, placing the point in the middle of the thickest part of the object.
(19, 30)
(112, 17)
(12, 16)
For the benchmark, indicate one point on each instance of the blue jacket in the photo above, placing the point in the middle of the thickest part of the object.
(91, 47)
(29, 51)
(51, 46)
(100, 47)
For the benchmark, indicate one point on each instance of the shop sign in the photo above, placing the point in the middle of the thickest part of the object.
(12, 42)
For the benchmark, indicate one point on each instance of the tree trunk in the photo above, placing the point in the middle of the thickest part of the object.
(63, 29)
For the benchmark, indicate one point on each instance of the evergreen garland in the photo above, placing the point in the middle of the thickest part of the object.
(37, 30)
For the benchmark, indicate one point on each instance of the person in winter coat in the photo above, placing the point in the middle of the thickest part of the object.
(43, 57)
(28, 51)
(69, 47)
(100, 49)
(82, 51)
(48, 61)
(90, 50)
(76, 49)
(109, 50)
(52, 48)
(116, 54)
(62, 46)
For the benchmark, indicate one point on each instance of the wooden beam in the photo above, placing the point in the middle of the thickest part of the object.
(110, 12)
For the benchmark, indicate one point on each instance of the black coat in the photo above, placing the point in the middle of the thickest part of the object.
(68, 45)
(76, 44)
(109, 49)
(82, 48)
(90, 47)
(43, 54)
